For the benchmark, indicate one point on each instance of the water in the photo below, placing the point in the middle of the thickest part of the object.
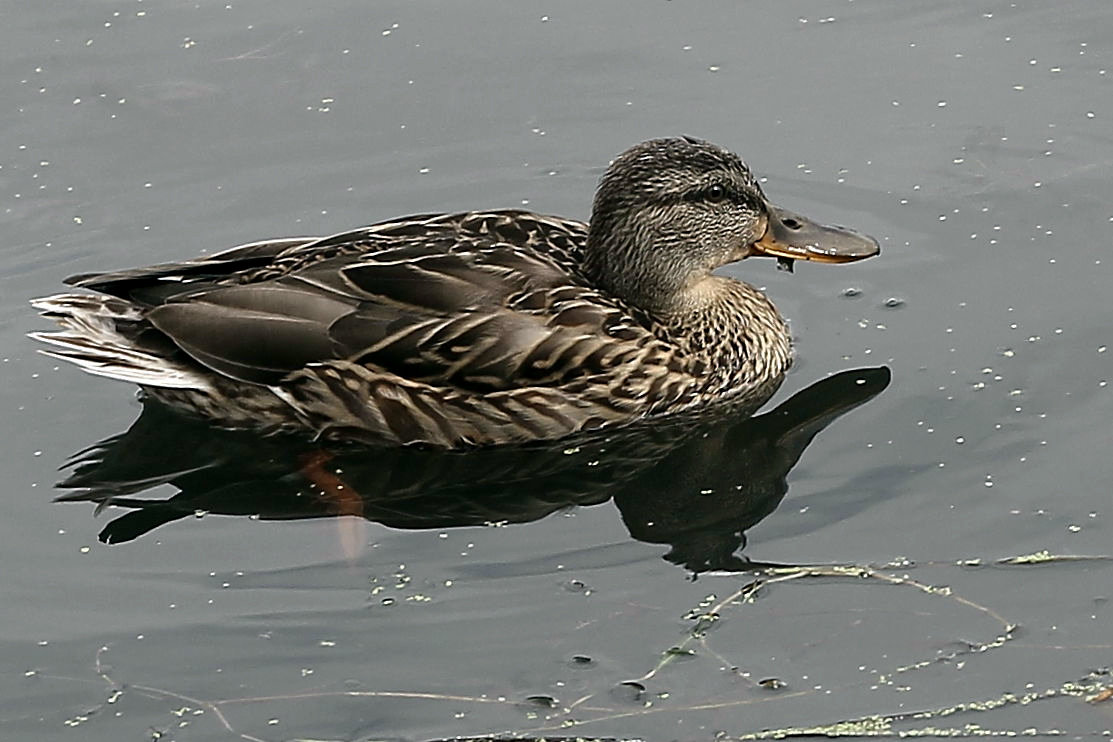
(972, 139)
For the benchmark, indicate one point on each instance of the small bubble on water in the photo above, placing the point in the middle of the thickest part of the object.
(851, 292)
(893, 302)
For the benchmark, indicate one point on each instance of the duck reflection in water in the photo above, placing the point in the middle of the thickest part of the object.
(693, 483)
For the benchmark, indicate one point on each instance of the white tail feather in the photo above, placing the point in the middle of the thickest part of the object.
(91, 341)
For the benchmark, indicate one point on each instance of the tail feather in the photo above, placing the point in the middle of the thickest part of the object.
(95, 338)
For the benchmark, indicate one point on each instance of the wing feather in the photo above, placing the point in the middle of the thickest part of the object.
(476, 302)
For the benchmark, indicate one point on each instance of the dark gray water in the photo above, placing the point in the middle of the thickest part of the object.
(974, 139)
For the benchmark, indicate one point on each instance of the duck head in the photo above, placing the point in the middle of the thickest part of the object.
(668, 212)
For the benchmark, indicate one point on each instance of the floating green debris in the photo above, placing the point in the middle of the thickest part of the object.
(680, 652)
(872, 726)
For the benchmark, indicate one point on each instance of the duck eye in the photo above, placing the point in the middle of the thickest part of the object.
(717, 192)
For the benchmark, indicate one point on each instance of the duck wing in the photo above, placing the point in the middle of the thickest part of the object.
(446, 305)
(154, 284)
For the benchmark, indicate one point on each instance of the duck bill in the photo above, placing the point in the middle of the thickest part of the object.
(791, 237)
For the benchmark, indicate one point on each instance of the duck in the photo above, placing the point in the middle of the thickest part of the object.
(469, 329)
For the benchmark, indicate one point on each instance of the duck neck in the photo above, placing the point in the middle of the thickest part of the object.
(737, 329)
(618, 267)
(728, 323)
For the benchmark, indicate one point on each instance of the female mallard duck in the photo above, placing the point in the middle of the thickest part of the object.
(474, 328)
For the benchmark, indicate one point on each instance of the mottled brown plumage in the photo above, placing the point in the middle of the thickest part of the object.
(473, 328)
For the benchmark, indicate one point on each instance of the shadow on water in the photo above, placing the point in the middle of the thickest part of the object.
(695, 484)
